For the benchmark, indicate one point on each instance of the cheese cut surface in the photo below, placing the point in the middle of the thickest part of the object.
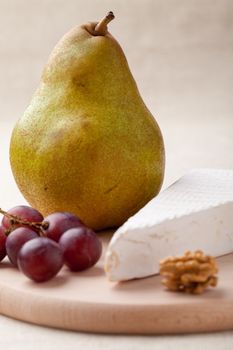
(196, 212)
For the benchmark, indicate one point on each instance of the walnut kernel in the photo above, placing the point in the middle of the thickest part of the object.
(190, 273)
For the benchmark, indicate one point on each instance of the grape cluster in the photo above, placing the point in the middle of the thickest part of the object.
(40, 246)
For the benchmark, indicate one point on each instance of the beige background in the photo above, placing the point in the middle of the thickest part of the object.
(180, 53)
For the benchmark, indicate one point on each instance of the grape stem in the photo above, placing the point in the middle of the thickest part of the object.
(16, 220)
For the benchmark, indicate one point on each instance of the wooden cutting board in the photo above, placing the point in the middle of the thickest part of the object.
(88, 302)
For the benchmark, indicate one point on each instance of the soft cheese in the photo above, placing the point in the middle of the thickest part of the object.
(196, 212)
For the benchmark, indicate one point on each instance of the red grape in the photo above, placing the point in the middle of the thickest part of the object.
(23, 212)
(2, 243)
(81, 248)
(16, 240)
(40, 259)
(60, 222)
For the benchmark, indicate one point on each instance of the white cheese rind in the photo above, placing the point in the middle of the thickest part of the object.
(196, 212)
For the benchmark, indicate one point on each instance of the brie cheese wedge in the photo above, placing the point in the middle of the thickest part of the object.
(196, 212)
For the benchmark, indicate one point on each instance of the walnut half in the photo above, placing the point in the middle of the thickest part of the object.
(190, 273)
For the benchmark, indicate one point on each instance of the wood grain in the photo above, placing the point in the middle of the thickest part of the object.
(88, 302)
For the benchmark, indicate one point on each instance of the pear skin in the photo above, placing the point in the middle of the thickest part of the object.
(87, 143)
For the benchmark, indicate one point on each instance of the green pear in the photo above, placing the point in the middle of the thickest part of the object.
(87, 143)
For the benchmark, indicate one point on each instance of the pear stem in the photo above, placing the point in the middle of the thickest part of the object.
(101, 27)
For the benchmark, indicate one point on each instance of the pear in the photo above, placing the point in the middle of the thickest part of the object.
(87, 143)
